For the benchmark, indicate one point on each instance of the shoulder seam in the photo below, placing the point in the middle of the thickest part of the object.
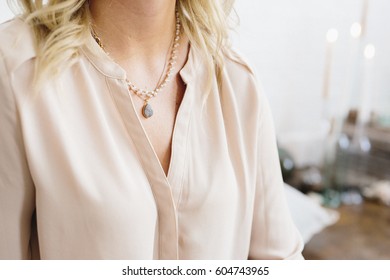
(8, 79)
(236, 57)
(19, 43)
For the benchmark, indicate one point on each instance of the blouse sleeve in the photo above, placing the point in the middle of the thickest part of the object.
(274, 235)
(16, 186)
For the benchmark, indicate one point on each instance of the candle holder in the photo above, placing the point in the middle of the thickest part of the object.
(347, 171)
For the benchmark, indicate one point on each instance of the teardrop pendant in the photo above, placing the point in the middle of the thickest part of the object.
(147, 110)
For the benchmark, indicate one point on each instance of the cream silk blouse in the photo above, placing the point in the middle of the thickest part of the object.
(79, 178)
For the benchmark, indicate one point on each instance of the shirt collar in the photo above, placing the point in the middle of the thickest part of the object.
(104, 64)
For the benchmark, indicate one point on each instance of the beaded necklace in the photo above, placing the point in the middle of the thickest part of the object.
(145, 94)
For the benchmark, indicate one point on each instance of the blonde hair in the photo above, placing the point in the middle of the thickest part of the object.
(62, 26)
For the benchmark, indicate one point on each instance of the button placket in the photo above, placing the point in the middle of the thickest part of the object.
(167, 219)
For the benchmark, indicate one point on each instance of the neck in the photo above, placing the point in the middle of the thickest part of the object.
(134, 28)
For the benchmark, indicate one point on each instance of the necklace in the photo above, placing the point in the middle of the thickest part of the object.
(145, 94)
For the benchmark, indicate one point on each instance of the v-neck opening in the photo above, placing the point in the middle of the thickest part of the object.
(131, 119)
(179, 130)
(173, 146)
(180, 127)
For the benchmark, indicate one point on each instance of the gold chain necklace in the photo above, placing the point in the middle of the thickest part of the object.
(145, 94)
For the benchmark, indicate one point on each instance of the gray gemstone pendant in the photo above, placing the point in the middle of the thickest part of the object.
(147, 110)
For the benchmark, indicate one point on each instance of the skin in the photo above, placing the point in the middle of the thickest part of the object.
(137, 34)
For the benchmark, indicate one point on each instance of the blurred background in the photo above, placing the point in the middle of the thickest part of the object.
(325, 68)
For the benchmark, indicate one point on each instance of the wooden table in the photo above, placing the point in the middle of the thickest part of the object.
(362, 233)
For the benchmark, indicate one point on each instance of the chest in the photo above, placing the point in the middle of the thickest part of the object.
(159, 128)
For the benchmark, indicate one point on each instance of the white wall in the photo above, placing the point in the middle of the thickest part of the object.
(5, 12)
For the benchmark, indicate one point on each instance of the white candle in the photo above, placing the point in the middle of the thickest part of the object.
(353, 75)
(352, 69)
(367, 91)
(331, 38)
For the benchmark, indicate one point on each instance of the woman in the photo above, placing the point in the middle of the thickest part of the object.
(130, 130)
